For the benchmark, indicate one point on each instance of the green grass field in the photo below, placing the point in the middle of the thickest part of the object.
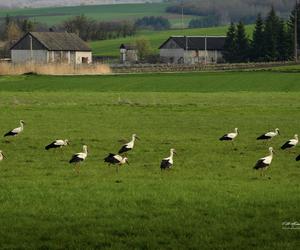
(156, 38)
(211, 199)
(55, 15)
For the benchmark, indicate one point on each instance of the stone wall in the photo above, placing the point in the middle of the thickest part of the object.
(145, 68)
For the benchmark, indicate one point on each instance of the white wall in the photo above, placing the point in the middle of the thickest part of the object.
(171, 55)
(44, 56)
(190, 56)
(24, 56)
(80, 54)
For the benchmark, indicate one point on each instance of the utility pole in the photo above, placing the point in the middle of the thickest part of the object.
(205, 50)
(182, 15)
(296, 32)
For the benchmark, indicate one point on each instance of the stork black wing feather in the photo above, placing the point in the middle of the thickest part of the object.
(286, 145)
(52, 145)
(111, 159)
(10, 133)
(263, 137)
(75, 159)
(124, 149)
(225, 138)
(260, 164)
(165, 164)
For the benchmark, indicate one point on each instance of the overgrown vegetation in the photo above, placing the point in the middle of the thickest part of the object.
(90, 29)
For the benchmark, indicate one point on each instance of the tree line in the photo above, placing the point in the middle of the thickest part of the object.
(225, 11)
(272, 39)
(87, 28)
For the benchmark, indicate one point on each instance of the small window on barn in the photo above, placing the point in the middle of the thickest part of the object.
(84, 59)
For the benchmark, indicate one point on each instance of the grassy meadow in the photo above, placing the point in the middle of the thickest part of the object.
(56, 15)
(211, 199)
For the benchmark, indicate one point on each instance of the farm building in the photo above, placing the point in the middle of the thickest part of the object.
(192, 49)
(128, 53)
(51, 47)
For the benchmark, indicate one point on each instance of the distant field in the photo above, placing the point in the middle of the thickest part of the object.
(211, 199)
(156, 38)
(98, 12)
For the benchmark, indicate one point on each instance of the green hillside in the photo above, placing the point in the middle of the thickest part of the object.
(156, 38)
(98, 12)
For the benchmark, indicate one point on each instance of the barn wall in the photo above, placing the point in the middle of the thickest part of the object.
(79, 55)
(68, 57)
(171, 55)
(24, 56)
(191, 56)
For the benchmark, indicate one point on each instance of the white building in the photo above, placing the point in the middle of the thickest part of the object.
(193, 49)
(51, 47)
(128, 53)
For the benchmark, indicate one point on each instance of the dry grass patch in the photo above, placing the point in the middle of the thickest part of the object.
(53, 69)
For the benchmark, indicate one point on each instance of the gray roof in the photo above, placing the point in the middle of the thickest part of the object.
(198, 42)
(58, 41)
(128, 46)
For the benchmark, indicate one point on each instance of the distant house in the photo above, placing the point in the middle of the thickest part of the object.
(192, 49)
(128, 53)
(51, 47)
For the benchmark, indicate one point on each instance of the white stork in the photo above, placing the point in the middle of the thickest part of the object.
(128, 146)
(291, 143)
(263, 163)
(79, 157)
(2, 156)
(269, 135)
(57, 144)
(16, 131)
(167, 163)
(230, 136)
(118, 160)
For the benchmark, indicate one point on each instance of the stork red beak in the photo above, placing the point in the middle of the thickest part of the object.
(4, 156)
(127, 162)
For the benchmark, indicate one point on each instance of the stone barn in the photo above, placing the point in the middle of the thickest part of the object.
(51, 47)
(193, 49)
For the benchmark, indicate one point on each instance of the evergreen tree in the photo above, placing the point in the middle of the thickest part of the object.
(7, 20)
(242, 43)
(230, 44)
(257, 45)
(283, 42)
(271, 36)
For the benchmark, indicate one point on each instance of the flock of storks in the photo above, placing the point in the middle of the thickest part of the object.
(265, 162)
(166, 163)
(111, 159)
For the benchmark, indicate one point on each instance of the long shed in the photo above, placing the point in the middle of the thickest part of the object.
(192, 49)
(51, 47)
